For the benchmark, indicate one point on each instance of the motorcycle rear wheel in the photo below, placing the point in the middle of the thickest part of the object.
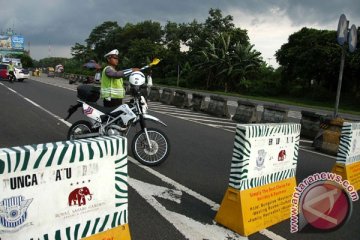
(79, 128)
(154, 155)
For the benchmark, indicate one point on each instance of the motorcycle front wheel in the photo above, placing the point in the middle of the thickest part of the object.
(152, 155)
(78, 129)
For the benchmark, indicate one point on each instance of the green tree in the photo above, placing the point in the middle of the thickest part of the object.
(311, 61)
(247, 62)
(230, 63)
(101, 38)
(82, 53)
(26, 60)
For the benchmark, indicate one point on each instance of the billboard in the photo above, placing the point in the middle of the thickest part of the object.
(14, 42)
(17, 42)
(5, 42)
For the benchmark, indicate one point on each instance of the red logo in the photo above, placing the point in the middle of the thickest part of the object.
(326, 206)
(78, 196)
(282, 155)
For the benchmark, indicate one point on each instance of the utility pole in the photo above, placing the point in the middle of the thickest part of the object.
(344, 34)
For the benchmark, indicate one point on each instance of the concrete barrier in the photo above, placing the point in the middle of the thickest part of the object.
(144, 91)
(72, 79)
(154, 94)
(328, 137)
(310, 124)
(262, 177)
(198, 102)
(167, 96)
(218, 107)
(274, 114)
(181, 99)
(245, 112)
(65, 190)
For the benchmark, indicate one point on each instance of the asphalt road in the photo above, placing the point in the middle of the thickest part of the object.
(196, 173)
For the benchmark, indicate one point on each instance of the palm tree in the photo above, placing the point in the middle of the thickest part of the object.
(246, 60)
(229, 62)
(217, 60)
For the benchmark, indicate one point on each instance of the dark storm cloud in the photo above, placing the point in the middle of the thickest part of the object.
(322, 11)
(65, 22)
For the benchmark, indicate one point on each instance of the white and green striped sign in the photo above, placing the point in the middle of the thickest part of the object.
(63, 190)
(263, 154)
(349, 147)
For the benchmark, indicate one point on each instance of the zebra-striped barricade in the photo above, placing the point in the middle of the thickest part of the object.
(65, 190)
(262, 177)
(348, 156)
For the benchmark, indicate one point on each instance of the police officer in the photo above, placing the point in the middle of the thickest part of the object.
(11, 71)
(112, 86)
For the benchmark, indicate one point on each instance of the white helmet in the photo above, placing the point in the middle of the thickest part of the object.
(112, 52)
(137, 78)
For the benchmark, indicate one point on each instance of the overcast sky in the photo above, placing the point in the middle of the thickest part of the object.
(51, 27)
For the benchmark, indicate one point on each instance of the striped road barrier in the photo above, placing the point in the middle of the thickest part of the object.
(65, 190)
(262, 177)
(348, 156)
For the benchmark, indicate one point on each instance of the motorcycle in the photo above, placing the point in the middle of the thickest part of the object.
(11, 77)
(150, 145)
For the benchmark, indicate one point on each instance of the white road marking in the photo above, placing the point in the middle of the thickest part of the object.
(178, 186)
(190, 228)
(191, 114)
(40, 107)
(271, 235)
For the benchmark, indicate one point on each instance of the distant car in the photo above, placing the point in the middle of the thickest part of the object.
(3, 71)
(51, 72)
(20, 73)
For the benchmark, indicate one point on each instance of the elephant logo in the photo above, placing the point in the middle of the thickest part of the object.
(282, 155)
(77, 196)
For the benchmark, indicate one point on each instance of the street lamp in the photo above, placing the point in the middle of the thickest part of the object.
(344, 34)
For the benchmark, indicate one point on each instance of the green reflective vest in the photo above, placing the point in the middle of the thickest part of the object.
(10, 67)
(111, 87)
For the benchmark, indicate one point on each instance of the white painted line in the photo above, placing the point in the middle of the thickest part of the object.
(306, 141)
(196, 195)
(214, 120)
(271, 235)
(38, 106)
(188, 227)
(192, 114)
